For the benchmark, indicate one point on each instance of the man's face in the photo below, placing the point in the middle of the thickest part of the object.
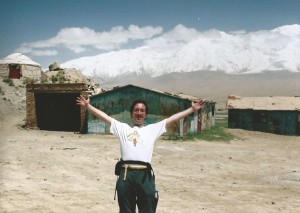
(139, 114)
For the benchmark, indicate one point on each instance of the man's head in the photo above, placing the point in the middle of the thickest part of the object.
(138, 112)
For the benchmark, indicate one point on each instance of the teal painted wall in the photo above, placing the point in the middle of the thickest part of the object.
(117, 102)
(278, 122)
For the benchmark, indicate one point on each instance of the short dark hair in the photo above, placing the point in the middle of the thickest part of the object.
(139, 101)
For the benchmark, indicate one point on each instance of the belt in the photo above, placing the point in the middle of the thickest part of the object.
(132, 166)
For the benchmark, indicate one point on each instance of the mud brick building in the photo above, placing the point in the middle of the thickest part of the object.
(53, 107)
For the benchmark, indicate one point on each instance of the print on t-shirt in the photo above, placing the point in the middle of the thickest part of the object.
(134, 137)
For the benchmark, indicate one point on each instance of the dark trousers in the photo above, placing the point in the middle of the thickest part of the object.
(138, 189)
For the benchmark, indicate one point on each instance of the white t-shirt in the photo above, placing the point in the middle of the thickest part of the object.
(137, 143)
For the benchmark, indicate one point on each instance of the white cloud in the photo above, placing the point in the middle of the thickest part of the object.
(180, 35)
(180, 32)
(80, 39)
(24, 48)
(44, 52)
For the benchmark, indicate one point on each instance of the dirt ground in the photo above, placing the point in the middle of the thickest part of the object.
(62, 172)
(48, 171)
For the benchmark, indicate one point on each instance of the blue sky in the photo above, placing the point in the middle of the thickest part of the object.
(61, 30)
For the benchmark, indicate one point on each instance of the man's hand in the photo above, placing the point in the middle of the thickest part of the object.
(198, 104)
(82, 101)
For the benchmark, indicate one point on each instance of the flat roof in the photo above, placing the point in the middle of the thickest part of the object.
(273, 103)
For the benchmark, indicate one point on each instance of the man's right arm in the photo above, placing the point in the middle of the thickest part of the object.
(85, 102)
(99, 114)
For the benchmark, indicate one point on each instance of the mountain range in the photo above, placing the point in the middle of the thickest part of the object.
(213, 50)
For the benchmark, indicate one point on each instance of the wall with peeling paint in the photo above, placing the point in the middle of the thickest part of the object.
(278, 122)
(117, 102)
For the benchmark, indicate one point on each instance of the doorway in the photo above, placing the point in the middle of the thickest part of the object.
(14, 71)
(57, 111)
(298, 124)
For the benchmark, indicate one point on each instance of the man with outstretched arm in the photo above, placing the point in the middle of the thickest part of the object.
(135, 185)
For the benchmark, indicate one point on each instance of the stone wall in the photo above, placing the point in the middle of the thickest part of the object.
(31, 71)
(27, 71)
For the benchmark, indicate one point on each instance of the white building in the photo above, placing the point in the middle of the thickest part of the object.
(17, 66)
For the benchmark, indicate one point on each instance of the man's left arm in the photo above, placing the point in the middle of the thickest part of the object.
(195, 107)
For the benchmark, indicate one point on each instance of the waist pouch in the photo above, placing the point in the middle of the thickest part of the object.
(122, 162)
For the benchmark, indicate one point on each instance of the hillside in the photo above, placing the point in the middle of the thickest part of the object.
(12, 104)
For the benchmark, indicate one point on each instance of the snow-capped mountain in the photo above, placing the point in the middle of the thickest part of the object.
(213, 50)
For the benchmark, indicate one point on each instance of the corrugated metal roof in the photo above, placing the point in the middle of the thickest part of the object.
(264, 103)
